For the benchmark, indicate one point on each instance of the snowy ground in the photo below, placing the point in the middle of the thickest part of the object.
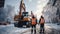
(10, 29)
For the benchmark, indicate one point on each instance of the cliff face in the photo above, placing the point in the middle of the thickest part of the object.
(51, 11)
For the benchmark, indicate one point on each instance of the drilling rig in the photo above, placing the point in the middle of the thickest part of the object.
(22, 18)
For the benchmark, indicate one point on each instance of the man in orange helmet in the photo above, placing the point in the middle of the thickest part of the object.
(33, 24)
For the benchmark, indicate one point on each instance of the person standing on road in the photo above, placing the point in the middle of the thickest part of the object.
(42, 21)
(33, 25)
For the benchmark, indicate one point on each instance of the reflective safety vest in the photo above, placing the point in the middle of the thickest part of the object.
(42, 21)
(33, 21)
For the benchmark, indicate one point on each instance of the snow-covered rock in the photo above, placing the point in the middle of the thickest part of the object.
(52, 11)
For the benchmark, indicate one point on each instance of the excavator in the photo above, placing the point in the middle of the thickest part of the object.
(22, 19)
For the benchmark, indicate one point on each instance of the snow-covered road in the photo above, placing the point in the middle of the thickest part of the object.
(10, 29)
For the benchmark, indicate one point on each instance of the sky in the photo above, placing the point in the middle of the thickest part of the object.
(31, 5)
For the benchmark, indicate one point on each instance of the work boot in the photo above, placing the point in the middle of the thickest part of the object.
(34, 31)
(43, 30)
(31, 31)
(40, 30)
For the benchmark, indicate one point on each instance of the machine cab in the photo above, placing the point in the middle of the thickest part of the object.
(25, 15)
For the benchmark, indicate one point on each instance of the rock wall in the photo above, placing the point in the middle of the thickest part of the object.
(51, 11)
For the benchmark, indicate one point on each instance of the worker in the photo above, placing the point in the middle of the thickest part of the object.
(42, 21)
(33, 25)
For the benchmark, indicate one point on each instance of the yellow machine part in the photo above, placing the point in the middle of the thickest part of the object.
(26, 19)
(16, 18)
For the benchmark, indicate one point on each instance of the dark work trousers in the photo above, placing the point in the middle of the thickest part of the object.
(41, 27)
(33, 29)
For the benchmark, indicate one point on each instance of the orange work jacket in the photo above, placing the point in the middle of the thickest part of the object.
(33, 21)
(42, 21)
